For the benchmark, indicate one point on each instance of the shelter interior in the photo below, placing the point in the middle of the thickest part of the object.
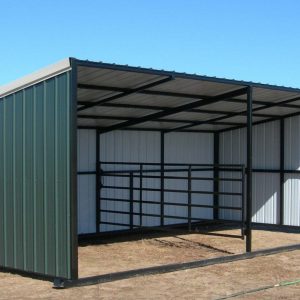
(158, 148)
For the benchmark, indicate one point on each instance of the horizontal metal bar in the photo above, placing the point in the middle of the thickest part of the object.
(86, 173)
(169, 164)
(101, 128)
(121, 118)
(128, 201)
(172, 177)
(171, 170)
(114, 223)
(171, 203)
(109, 174)
(194, 110)
(128, 213)
(169, 94)
(178, 266)
(170, 190)
(149, 215)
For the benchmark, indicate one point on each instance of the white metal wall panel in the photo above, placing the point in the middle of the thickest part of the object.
(232, 151)
(86, 161)
(292, 199)
(86, 204)
(266, 155)
(86, 150)
(266, 145)
(129, 146)
(266, 193)
(292, 181)
(266, 186)
(292, 143)
(190, 148)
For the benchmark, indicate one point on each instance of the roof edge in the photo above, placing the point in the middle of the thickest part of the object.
(36, 77)
(120, 67)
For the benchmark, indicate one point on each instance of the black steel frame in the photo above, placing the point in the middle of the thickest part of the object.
(177, 267)
(245, 88)
(201, 100)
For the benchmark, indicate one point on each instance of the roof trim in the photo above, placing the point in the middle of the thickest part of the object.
(87, 63)
(36, 77)
(65, 65)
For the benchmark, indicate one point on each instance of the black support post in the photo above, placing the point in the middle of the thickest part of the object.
(249, 172)
(216, 174)
(281, 208)
(131, 200)
(98, 182)
(141, 195)
(243, 203)
(162, 179)
(190, 198)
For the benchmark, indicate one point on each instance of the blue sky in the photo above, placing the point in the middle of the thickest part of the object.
(256, 40)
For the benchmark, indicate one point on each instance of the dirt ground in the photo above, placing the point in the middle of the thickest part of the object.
(174, 246)
(211, 282)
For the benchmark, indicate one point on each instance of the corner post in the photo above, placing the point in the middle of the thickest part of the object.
(73, 171)
(249, 171)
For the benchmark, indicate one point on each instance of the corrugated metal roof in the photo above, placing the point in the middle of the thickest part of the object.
(108, 82)
(183, 89)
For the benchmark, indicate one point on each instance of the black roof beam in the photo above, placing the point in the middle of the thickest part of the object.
(119, 118)
(196, 110)
(268, 105)
(259, 102)
(210, 121)
(126, 93)
(263, 121)
(177, 109)
(142, 129)
(172, 94)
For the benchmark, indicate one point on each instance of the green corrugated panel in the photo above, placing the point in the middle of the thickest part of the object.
(2, 228)
(35, 179)
(18, 182)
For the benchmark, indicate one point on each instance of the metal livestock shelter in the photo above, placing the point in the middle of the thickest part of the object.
(90, 148)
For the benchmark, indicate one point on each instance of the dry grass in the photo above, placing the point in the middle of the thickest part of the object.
(210, 282)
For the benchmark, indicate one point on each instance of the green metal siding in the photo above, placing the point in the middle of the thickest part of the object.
(35, 179)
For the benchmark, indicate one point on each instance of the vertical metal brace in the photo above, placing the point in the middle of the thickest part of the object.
(141, 195)
(249, 172)
(190, 198)
(162, 178)
(281, 208)
(74, 177)
(131, 199)
(98, 182)
(243, 203)
(216, 175)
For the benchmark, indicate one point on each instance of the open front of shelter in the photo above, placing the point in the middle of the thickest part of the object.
(91, 149)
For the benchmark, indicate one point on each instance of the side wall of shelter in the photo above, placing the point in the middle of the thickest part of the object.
(139, 146)
(266, 156)
(35, 178)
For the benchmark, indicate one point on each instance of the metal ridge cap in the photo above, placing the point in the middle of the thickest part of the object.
(35, 77)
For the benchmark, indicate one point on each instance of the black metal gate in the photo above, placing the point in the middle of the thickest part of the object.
(124, 189)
